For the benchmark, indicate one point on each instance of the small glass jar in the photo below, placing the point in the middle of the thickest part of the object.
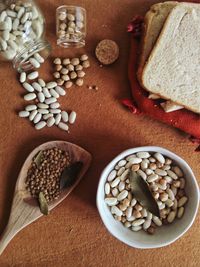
(21, 33)
(71, 26)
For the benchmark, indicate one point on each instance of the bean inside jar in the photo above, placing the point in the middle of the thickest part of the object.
(166, 182)
(71, 26)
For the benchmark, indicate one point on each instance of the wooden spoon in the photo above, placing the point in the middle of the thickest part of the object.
(25, 208)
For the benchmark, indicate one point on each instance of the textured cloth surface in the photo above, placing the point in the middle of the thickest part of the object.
(73, 234)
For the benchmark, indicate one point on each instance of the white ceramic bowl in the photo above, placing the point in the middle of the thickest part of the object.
(165, 234)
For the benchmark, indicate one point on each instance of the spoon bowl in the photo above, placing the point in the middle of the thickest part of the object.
(25, 208)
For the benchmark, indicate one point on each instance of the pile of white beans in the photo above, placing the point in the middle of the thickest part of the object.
(166, 182)
(19, 23)
(46, 109)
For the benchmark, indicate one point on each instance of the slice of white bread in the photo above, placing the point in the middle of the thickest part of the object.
(153, 23)
(173, 67)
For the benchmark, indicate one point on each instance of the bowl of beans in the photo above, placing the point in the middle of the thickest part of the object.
(172, 185)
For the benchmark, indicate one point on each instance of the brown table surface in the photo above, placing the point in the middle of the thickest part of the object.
(73, 234)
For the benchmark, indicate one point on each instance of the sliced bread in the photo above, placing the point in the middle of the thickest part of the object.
(153, 23)
(173, 67)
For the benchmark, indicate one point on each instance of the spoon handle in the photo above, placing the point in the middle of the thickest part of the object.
(21, 215)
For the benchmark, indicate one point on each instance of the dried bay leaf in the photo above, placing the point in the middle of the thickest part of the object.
(43, 204)
(142, 193)
(70, 174)
(38, 158)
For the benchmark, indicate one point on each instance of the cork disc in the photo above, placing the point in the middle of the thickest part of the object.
(107, 52)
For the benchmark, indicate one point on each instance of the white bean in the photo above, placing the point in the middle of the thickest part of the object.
(124, 175)
(47, 116)
(46, 92)
(54, 93)
(50, 100)
(146, 224)
(20, 12)
(128, 212)
(33, 75)
(34, 62)
(122, 195)
(43, 111)
(60, 90)
(50, 121)
(149, 171)
(107, 188)
(63, 126)
(15, 24)
(133, 202)
(6, 35)
(31, 107)
(115, 182)
(144, 212)
(115, 210)
(120, 171)
(41, 82)
(24, 18)
(40, 125)
(172, 174)
(57, 119)
(11, 13)
(143, 155)
(171, 216)
(39, 58)
(130, 157)
(29, 96)
(182, 201)
(22, 77)
(157, 221)
(37, 86)
(37, 118)
(136, 228)
(41, 97)
(122, 163)
(32, 115)
(121, 186)
(8, 21)
(169, 202)
(65, 116)
(178, 171)
(135, 160)
(112, 175)
(138, 222)
(51, 85)
(54, 105)
(42, 105)
(170, 193)
(159, 157)
(28, 87)
(55, 111)
(152, 178)
(24, 114)
(142, 174)
(131, 219)
(3, 15)
(111, 201)
(160, 172)
(72, 117)
(180, 212)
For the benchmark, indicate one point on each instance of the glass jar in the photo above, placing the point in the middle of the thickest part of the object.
(71, 26)
(22, 28)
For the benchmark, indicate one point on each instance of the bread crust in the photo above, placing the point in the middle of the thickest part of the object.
(153, 52)
(150, 16)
